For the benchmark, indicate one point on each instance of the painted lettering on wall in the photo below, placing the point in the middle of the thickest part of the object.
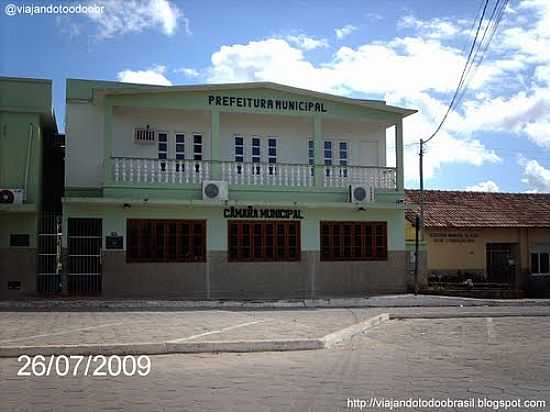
(454, 237)
(254, 213)
(260, 103)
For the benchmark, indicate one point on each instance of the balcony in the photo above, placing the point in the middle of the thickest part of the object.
(175, 172)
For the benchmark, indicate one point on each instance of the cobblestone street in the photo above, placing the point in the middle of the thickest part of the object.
(496, 358)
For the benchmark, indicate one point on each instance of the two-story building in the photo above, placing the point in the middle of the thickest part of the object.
(27, 128)
(247, 191)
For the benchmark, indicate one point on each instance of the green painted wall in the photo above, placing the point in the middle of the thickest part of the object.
(14, 145)
(18, 223)
(114, 220)
(29, 95)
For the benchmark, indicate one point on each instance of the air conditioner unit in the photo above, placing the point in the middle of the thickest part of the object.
(214, 190)
(11, 196)
(361, 194)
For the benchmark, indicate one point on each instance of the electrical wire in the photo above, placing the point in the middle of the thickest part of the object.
(476, 54)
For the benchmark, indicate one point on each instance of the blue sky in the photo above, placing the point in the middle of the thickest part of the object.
(408, 52)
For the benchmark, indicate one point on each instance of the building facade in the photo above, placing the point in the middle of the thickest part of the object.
(498, 240)
(231, 191)
(27, 126)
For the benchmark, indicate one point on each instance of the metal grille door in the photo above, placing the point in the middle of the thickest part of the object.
(84, 264)
(50, 255)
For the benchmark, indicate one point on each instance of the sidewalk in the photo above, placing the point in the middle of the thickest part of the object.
(386, 301)
(162, 331)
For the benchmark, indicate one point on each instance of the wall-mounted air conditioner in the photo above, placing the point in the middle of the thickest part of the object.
(361, 194)
(214, 190)
(11, 196)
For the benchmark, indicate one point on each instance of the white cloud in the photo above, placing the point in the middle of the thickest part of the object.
(374, 17)
(373, 68)
(536, 177)
(436, 28)
(421, 71)
(154, 75)
(306, 42)
(344, 31)
(488, 186)
(121, 17)
(188, 72)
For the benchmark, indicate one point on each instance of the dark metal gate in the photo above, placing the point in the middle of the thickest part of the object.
(84, 256)
(500, 263)
(50, 256)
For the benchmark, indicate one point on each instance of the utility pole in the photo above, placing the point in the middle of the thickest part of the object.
(419, 221)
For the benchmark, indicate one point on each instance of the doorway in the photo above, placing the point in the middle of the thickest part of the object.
(501, 263)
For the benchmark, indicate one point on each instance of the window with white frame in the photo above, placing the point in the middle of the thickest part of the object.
(179, 151)
(180, 146)
(197, 146)
(327, 155)
(343, 158)
(256, 153)
(311, 154)
(163, 149)
(540, 262)
(144, 135)
(272, 154)
(239, 153)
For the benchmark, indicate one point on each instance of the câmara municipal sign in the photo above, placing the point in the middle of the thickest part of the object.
(254, 213)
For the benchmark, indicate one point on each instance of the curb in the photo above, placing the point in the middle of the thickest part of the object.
(464, 315)
(243, 346)
(344, 334)
(385, 301)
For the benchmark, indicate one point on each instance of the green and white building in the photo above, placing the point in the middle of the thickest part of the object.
(251, 190)
(233, 191)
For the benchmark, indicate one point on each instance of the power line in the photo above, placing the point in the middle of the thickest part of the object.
(458, 88)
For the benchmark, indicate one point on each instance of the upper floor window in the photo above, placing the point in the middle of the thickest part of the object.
(272, 150)
(328, 152)
(180, 146)
(144, 135)
(343, 157)
(310, 152)
(256, 154)
(163, 149)
(239, 149)
(272, 154)
(197, 147)
(343, 153)
(163, 145)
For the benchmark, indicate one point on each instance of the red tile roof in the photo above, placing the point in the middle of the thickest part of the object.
(479, 209)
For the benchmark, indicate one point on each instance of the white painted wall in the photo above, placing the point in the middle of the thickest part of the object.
(126, 120)
(367, 140)
(291, 132)
(84, 134)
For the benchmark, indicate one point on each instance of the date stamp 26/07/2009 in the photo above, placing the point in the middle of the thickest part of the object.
(80, 365)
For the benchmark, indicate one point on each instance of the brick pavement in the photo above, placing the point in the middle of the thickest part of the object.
(70, 328)
(501, 358)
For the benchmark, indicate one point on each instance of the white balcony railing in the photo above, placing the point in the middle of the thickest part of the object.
(341, 176)
(269, 174)
(134, 170)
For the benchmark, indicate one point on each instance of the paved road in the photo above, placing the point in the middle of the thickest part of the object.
(111, 327)
(500, 358)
